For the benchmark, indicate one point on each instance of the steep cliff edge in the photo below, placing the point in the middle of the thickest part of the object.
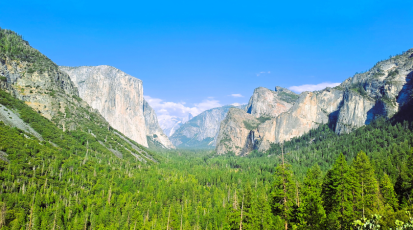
(237, 133)
(264, 106)
(381, 91)
(202, 130)
(155, 135)
(115, 94)
(268, 103)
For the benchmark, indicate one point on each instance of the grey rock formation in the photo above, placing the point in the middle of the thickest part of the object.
(381, 91)
(237, 133)
(44, 91)
(115, 94)
(264, 105)
(3, 156)
(11, 119)
(154, 133)
(268, 103)
(202, 130)
(119, 98)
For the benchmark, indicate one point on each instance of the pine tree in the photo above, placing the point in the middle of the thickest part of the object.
(366, 189)
(387, 191)
(337, 195)
(233, 214)
(262, 216)
(283, 193)
(247, 214)
(311, 212)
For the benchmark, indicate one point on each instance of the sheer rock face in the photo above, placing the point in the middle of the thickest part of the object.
(237, 133)
(381, 91)
(311, 110)
(154, 132)
(202, 130)
(264, 103)
(268, 103)
(307, 113)
(116, 95)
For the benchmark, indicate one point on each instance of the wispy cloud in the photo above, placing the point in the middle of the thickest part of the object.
(236, 95)
(236, 104)
(168, 111)
(263, 72)
(309, 87)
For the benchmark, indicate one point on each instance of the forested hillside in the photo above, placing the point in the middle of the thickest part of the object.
(74, 171)
(79, 185)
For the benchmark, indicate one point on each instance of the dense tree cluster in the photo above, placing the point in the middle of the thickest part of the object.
(88, 177)
(79, 185)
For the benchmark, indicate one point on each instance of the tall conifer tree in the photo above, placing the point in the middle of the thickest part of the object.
(387, 191)
(337, 195)
(311, 212)
(284, 191)
(366, 198)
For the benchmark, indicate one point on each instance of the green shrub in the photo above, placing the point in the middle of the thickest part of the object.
(263, 119)
(251, 126)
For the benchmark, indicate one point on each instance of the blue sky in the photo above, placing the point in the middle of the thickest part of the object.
(196, 54)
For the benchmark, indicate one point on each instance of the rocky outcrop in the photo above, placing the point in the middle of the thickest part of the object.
(264, 106)
(268, 103)
(115, 94)
(310, 110)
(12, 119)
(154, 133)
(381, 91)
(45, 90)
(202, 130)
(237, 133)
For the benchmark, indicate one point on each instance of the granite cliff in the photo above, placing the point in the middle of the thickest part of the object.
(268, 103)
(241, 130)
(29, 77)
(116, 95)
(236, 133)
(119, 98)
(381, 91)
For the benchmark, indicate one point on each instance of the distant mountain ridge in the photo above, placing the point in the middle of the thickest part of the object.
(202, 130)
(172, 124)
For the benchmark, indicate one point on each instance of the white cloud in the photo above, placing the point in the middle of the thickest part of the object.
(309, 87)
(236, 104)
(263, 72)
(169, 113)
(236, 95)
